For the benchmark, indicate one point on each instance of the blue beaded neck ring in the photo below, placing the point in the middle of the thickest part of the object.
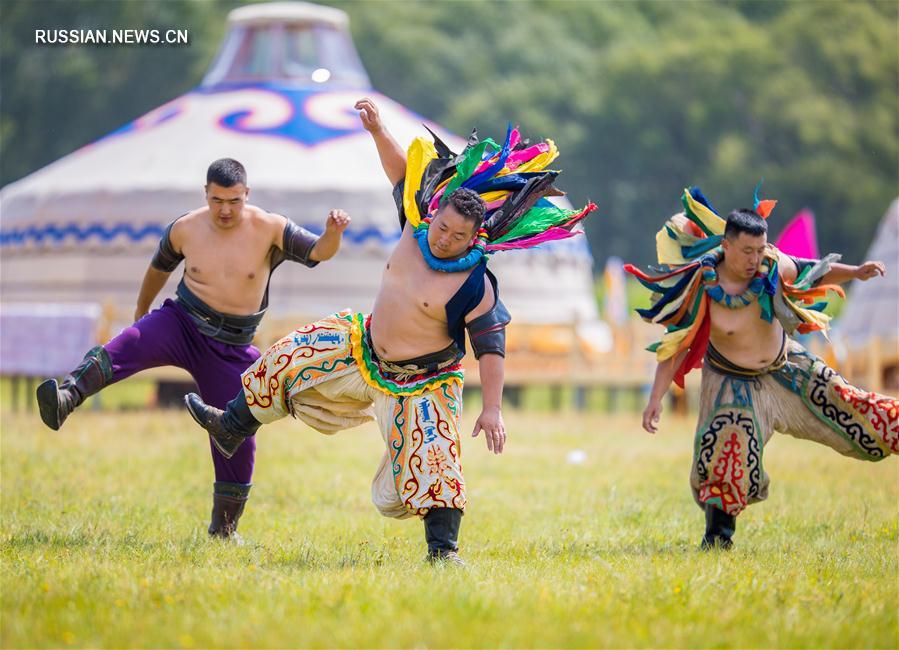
(469, 261)
(758, 286)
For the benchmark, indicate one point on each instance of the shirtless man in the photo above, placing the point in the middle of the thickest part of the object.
(400, 365)
(755, 379)
(229, 250)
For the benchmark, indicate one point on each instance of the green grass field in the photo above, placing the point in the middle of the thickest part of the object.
(104, 544)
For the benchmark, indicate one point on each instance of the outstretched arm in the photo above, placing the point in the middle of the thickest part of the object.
(665, 372)
(393, 158)
(840, 273)
(329, 243)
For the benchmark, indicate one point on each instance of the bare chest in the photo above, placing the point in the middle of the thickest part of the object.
(209, 259)
(741, 326)
(409, 280)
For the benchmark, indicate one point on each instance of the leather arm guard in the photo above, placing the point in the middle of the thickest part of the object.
(398, 199)
(819, 268)
(298, 244)
(166, 257)
(802, 263)
(487, 332)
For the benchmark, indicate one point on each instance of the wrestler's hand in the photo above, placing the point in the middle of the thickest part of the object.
(491, 422)
(368, 113)
(337, 221)
(651, 416)
(869, 270)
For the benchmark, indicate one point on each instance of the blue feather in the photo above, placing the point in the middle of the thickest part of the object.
(697, 195)
(477, 179)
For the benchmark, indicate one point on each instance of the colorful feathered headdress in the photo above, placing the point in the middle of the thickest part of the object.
(700, 230)
(512, 179)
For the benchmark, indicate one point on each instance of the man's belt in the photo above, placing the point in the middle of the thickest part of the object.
(718, 362)
(227, 328)
(424, 365)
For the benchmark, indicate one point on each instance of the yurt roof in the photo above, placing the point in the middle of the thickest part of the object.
(100, 210)
(286, 12)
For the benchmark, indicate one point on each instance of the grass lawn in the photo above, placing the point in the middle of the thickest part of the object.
(103, 543)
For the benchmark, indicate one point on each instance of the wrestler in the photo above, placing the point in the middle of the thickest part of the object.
(230, 249)
(730, 301)
(401, 365)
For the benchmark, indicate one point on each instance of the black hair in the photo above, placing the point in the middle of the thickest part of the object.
(745, 220)
(226, 172)
(467, 203)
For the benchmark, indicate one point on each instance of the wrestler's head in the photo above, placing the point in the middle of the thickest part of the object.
(745, 240)
(456, 224)
(226, 191)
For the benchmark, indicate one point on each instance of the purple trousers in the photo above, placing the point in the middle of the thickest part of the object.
(168, 337)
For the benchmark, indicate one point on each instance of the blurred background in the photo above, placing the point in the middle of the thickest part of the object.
(103, 145)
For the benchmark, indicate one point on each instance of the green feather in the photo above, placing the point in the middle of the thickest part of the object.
(535, 221)
(471, 159)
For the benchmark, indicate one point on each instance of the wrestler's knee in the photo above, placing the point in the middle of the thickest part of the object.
(128, 338)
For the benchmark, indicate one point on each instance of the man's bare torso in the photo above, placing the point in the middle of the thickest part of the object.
(409, 316)
(228, 269)
(742, 335)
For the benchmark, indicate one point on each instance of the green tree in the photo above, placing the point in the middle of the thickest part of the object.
(643, 98)
(58, 98)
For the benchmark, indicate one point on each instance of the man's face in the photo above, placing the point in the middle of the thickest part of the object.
(450, 234)
(743, 254)
(226, 203)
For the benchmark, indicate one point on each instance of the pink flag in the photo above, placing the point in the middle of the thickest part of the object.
(798, 236)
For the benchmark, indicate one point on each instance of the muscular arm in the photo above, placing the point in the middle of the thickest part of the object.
(166, 258)
(329, 243)
(154, 281)
(492, 370)
(393, 158)
(788, 270)
(838, 273)
(299, 245)
(665, 372)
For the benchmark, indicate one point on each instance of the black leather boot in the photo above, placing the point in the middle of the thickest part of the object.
(56, 402)
(228, 501)
(719, 528)
(229, 428)
(442, 534)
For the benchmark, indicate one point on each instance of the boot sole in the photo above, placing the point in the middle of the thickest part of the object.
(215, 443)
(48, 404)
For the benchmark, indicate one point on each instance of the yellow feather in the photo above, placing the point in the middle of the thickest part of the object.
(421, 153)
(540, 162)
(709, 219)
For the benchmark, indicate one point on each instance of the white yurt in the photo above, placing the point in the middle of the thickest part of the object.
(867, 331)
(279, 98)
